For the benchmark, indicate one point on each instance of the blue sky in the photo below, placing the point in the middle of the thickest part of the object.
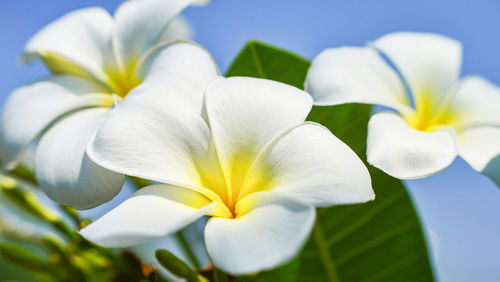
(459, 207)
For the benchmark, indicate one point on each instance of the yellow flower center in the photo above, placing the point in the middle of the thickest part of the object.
(119, 82)
(122, 82)
(429, 113)
(241, 179)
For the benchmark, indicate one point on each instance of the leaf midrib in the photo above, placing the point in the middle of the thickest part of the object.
(258, 63)
(323, 250)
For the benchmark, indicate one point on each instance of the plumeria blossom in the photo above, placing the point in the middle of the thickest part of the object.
(444, 117)
(95, 61)
(250, 162)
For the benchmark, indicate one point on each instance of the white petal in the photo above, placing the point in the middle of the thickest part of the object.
(30, 109)
(152, 212)
(156, 140)
(63, 168)
(201, 2)
(406, 153)
(476, 102)
(178, 29)
(480, 147)
(430, 63)
(247, 113)
(78, 43)
(140, 25)
(271, 234)
(355, 75)
(312, 165)
(180, 71)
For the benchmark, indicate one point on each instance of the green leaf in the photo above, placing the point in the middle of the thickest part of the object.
(28, 260)
(219, 275)
(377, 241)
(10, 272)
(176, 266)
(258, 59)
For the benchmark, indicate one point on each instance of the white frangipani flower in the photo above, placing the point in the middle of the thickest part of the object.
(96, 60)
(249, 161)
(449, 116)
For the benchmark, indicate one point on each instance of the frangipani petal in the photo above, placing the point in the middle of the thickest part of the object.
(355, 75)
(140, 25)
(63, 168)
(310, 164)
(406, 153)
(430, 63)
(158, 141)
(480, 147)
(151, 213)
(269, 235)
(31, 109)
(201, 2)
(78, 43)
(178, 29)
(245, 114)
(178, 73)
(476, 102)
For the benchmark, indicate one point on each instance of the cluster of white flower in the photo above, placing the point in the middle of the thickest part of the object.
(128, 96)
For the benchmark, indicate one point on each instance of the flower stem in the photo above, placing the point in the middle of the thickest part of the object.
(187, 249)
(30, 202)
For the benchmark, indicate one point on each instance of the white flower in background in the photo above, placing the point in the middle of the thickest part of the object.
(96, 60)
(448, 116)
(249, 161)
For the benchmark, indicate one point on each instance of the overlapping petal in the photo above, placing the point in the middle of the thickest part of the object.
(355, 75)
(178, 29)
(245, 114)
(63, 168)
(403, 152)
(79, 43)
(157, 143)
(310, 164)
(269, 235)
(480, 147)
(475, 102)
(31, 109)
(430, 64)
(178, 73)
(140, 24)
(157, 130)
(152, 212)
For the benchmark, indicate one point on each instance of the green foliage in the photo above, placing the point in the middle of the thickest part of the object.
(28, 201)
(67, 257)
(176, 266)
(30, 260)
(377, 241)
(258, 59)
(9, 272)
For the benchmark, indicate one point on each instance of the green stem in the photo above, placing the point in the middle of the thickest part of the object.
(29, 201)
(188, 250)
(71, 213)
(327, 261)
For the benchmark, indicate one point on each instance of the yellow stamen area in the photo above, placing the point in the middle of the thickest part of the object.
(123, 81)
(60, 65)
(120, 81)
(430, 114)
(241, 178)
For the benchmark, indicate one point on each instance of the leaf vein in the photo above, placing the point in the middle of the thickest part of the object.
(258, 63)
(326, 259)
(362, 220)
(374, 242)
